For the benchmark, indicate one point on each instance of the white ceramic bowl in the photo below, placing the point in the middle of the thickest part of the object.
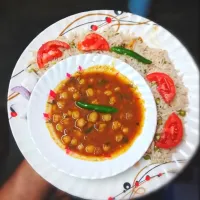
(56, 156)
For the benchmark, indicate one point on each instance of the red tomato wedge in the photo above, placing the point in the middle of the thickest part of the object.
(165, 87)
(172, 133)
(54, 44)
(52, 54)
(92, 42)
(49, 51)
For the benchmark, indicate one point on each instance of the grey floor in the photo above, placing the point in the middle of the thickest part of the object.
(22, 20)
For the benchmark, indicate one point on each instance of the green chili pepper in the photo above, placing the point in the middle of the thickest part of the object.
(98, 108)
(124, 51)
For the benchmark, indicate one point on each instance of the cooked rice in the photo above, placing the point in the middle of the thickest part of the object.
(160, 63)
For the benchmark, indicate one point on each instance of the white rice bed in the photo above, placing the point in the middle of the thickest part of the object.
(160, 63)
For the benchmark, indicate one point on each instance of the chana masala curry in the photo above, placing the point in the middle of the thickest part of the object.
(95, 114)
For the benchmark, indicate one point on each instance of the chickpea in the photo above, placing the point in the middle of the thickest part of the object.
(112, 100)
(76, 96)
(67, 114)
(74, 142)
(101, 127)
(116, 125)
(92, 117)
(95, 101)
(108, 92)
(82, 81)
(98, 151)
(117, 89)
(54, 107)
(129, 116)
(56, 118)
(64, 95)
(66, 139)
(81, 122)
(80, 147)
(65, 121)
(119, 137)
(71, 89)
(61, 104)
(89, 149)
(89, 92)
(59, 127)
(106, 117)
(75, 114)
(106, 147)
(60, 87)
(77, 133)
(125, 130)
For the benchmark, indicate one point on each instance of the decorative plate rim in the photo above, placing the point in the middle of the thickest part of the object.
(93, 193)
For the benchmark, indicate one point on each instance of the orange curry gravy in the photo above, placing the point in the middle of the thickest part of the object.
(89, 134)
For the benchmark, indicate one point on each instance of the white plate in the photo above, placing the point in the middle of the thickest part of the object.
(57, 157)
(120, 186)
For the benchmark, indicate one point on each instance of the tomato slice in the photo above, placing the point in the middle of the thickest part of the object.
(54, 44)
(92, 42)
(52, 54)
(49, 51)
(165, 87)
(172, 133)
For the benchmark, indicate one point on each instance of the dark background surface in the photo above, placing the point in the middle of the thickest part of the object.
(22, 20)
